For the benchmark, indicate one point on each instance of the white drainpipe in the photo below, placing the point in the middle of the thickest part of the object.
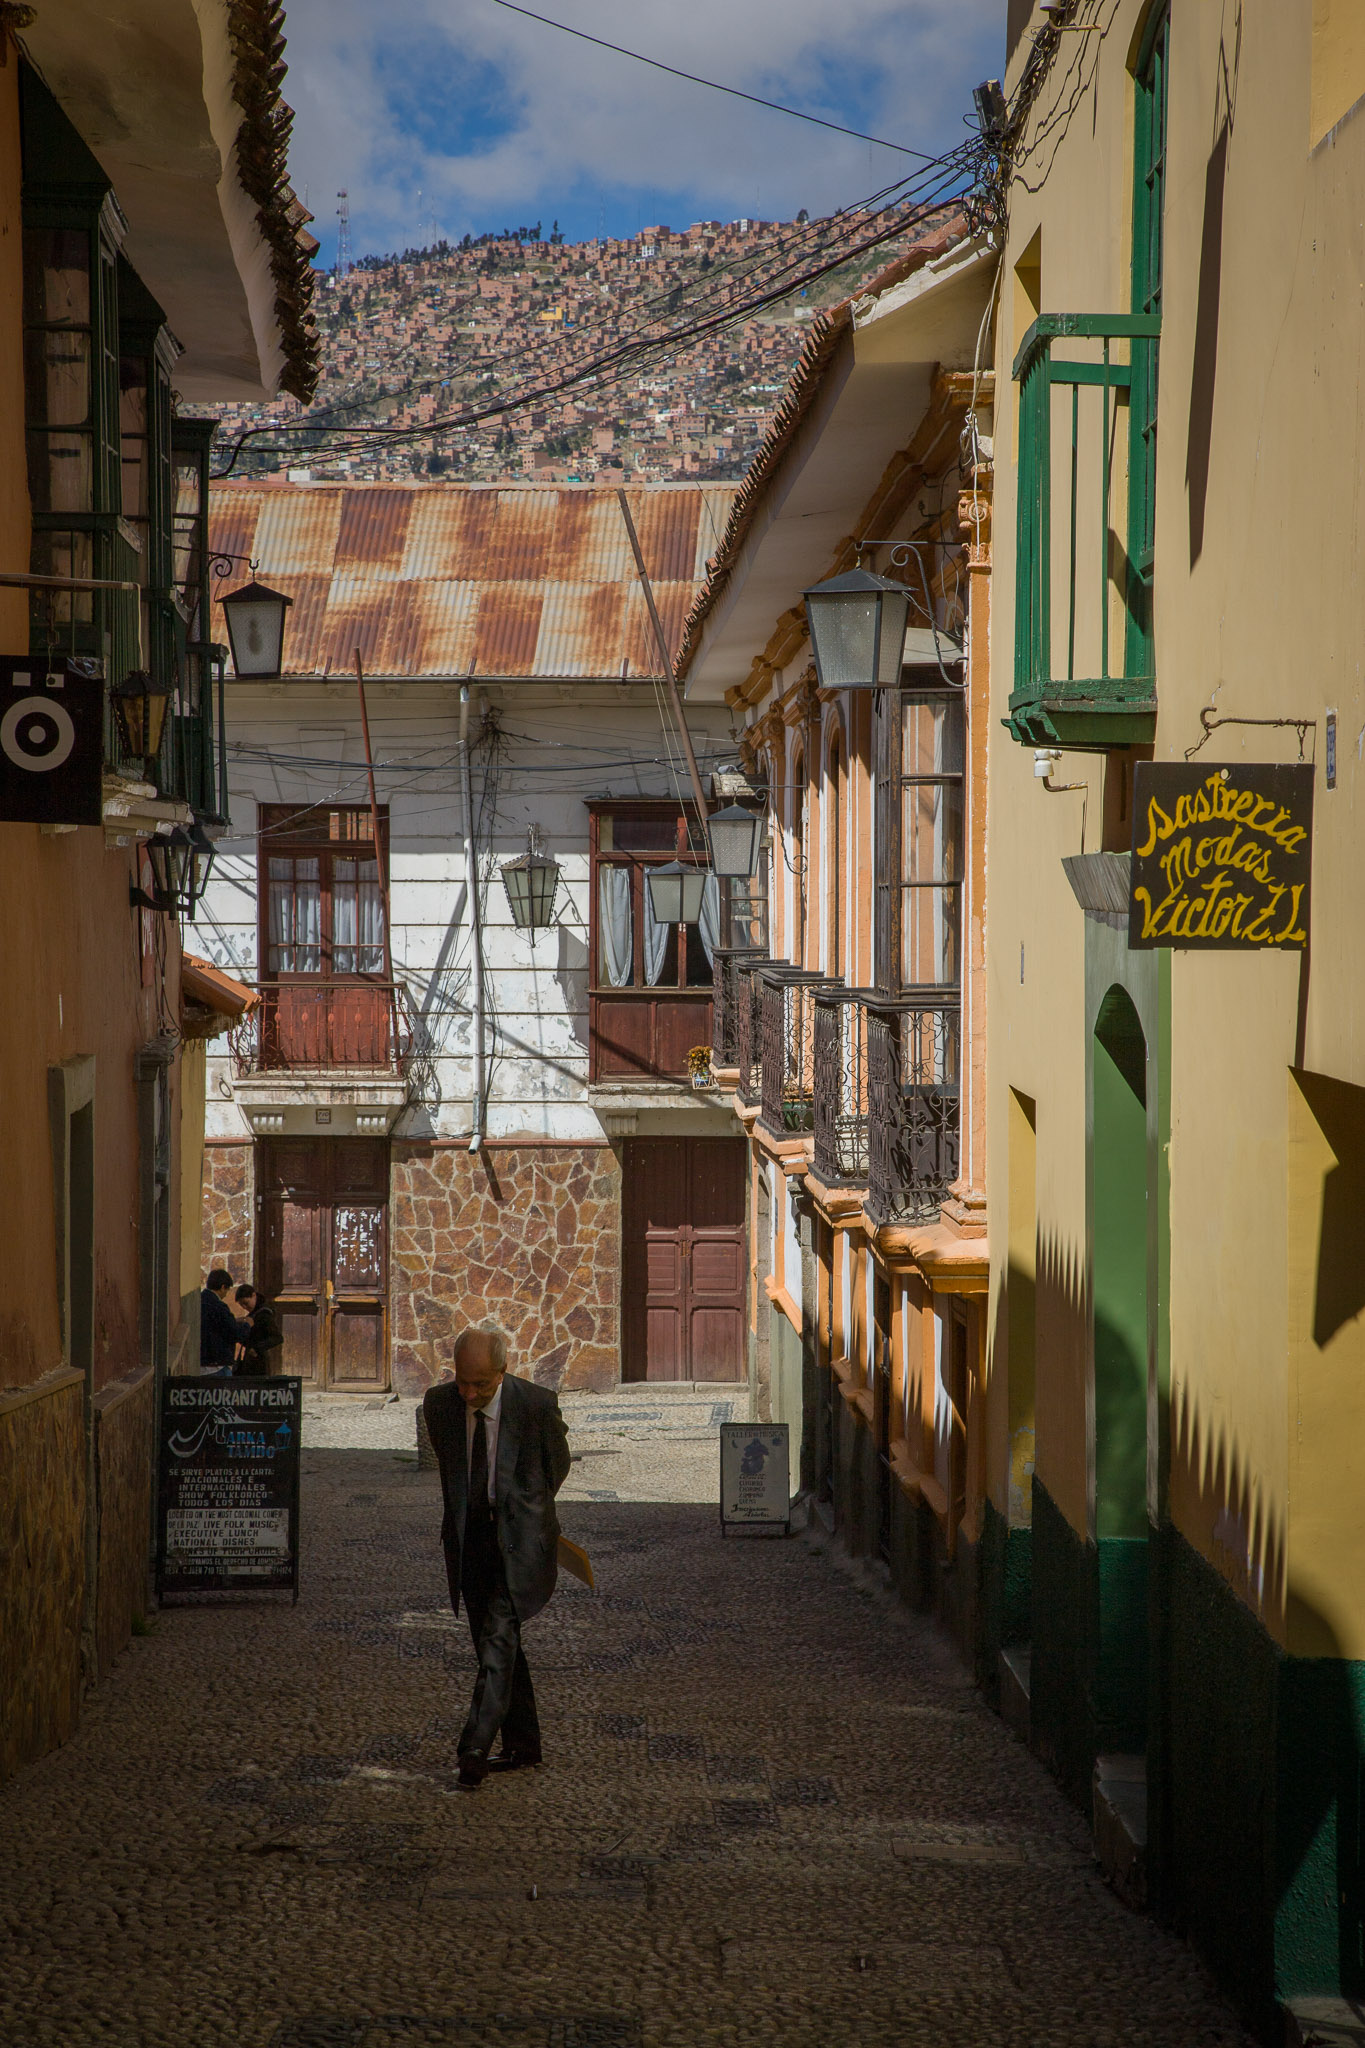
(476, 1118)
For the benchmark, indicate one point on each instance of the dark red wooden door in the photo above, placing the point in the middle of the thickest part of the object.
(323, 1205)
(683, 1264)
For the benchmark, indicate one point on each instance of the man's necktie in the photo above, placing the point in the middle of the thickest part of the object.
(478, 1469)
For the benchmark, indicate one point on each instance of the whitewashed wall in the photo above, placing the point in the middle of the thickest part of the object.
(301, 743)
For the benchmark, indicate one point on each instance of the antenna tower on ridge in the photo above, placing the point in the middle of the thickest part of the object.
(343, 237)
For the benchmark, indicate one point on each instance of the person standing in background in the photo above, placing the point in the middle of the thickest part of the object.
(219, 1330)
(261, 1337)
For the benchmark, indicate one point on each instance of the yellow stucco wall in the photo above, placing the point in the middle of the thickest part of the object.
(1258, 611)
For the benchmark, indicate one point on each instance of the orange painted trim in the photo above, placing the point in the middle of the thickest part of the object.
(779, 1297)
(915, 1482)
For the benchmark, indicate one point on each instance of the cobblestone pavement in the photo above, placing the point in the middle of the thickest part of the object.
(773, 1811)
(635, 1443)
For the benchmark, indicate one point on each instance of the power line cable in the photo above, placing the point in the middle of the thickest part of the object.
(353, 439)
(733, 92)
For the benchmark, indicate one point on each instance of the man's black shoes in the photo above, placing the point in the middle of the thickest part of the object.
(515, 1760)
(473, 1769)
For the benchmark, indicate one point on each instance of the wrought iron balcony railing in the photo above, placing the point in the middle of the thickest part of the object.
(914, 1068)
(324, 1026)
(841, 1086)
(725, 965)
(748, 1029)
(787, 1087)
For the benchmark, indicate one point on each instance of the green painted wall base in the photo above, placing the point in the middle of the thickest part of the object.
(1258, 1809)
(1065, 1602)
(1006, 1595)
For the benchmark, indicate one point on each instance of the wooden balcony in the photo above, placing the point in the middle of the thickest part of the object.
(640, 1033)
(311, 1026)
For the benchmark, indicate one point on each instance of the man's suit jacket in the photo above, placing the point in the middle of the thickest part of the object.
(533, 1463)
(219, 1330)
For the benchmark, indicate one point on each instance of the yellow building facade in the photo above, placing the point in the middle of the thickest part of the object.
(1176, 1134)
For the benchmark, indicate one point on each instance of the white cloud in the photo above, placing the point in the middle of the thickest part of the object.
(494, 120)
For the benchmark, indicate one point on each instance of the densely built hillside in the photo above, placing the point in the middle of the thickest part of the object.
(409, 339)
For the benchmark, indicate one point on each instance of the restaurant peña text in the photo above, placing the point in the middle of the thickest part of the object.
(1222, 856)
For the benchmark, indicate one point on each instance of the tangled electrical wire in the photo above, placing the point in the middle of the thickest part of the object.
(754, 284)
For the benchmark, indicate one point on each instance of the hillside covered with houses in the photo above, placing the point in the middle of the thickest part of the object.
(407, 339)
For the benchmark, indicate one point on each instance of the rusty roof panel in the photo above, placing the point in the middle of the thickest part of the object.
(525, 580)
(296, 532)
(374, 527)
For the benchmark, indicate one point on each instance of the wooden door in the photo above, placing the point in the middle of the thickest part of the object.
(323, 1205)
(683, 1261)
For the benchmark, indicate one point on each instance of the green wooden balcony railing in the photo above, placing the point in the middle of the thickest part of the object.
(1084, 673)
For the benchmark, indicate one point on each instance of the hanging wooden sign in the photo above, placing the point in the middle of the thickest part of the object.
(51, 740)
(1222, 856)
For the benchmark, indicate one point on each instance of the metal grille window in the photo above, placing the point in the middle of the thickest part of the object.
(920, 806)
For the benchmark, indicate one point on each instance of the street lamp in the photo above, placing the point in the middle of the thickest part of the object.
(531, 884)
(675, 892)
(736, 835)
(857, 629)
(255, 630)
(140, 703)
(202, 853)
(171, 857)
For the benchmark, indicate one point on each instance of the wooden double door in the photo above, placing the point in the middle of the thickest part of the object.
(323, 1240)
(684, 1265)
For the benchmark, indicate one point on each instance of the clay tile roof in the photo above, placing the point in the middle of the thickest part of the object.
(211, 989)
(256, 30)
(525, 581)
(803, 386)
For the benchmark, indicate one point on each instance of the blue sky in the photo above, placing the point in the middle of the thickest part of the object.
(446, 117)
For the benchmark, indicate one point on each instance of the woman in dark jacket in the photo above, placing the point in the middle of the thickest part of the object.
(261, 1335)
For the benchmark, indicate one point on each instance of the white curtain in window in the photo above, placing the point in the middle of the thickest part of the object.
(295, 916)
(708, 926)
(613, 926)
(357, 917)
(656, 940)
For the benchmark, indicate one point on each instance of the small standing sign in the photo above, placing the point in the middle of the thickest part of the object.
(755, 1478)
(228, 1486)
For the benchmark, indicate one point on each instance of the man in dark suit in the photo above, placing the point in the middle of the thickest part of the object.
(219, 1330)
(504, 1454)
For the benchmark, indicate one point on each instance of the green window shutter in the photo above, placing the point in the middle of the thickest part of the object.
(1149, 183)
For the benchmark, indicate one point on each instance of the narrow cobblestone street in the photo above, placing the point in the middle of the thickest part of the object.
(773, 1810)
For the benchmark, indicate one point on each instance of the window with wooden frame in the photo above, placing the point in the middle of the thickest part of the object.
(628, 948)
(321, 892)
(921, 794)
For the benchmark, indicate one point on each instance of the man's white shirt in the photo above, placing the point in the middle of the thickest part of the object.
(491, 1412)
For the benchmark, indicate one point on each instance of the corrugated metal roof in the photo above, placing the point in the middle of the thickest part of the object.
(526, 580)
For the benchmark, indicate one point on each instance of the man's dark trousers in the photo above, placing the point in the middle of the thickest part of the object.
(503, 1695)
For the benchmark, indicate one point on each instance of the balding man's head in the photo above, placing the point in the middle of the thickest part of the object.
(480, 1362)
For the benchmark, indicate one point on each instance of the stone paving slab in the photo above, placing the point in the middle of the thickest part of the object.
(773, 1811)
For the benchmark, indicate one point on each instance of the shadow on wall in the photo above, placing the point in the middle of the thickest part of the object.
(1256, 1758)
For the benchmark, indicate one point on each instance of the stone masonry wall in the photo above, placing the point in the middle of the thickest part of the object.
(42, 1540)
(229, 1222)
(526, 1236)
(124, 1450)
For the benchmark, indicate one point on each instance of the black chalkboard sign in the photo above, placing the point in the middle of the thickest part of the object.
(228, 1486)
